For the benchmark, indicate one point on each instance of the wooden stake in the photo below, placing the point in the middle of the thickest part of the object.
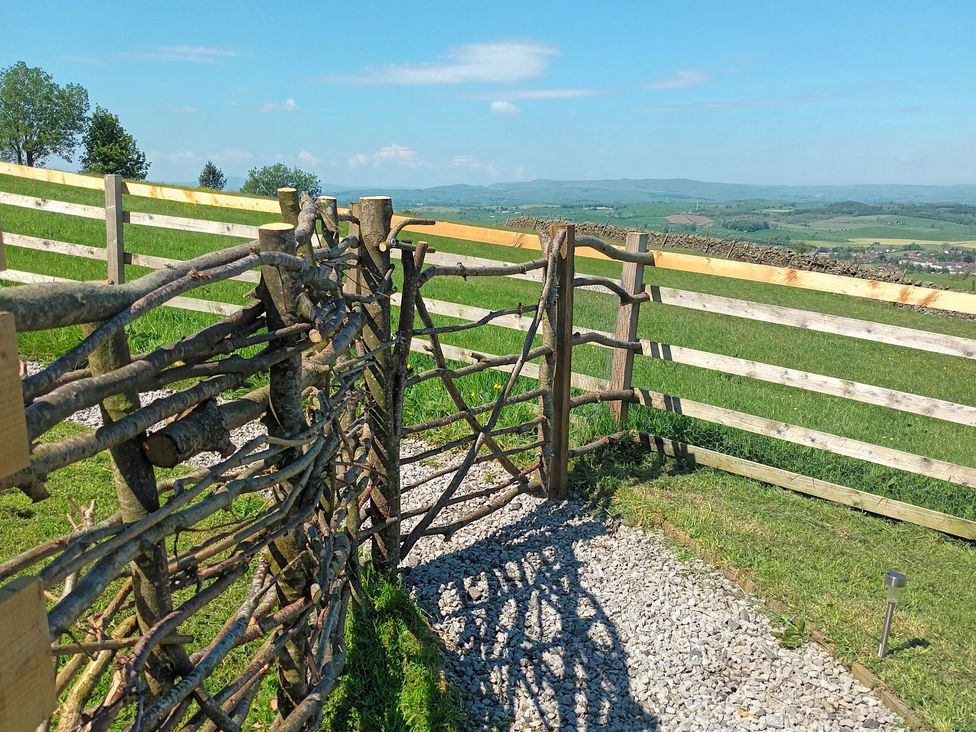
(288, 202)
(27, 692)
(138, 496)
(375, 217)
(329, 211)
(114, 240)
(562, 370)
(287, 556)
(14, 451)
(622, 366)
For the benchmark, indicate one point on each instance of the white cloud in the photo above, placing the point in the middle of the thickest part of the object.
(289, 105)
(392, 154)
(190, 54)
(359, 160)
(520, 94)
(496, 62)
(183, 109)
(396, 152)
(681, 79)
(503, 106)
(469, 162)
(307, 158)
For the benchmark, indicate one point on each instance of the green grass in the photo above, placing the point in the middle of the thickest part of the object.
(825, 562)
(393, 679)
(934, 375)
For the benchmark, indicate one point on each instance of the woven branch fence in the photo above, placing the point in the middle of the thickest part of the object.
(119, 592)
(116, 598)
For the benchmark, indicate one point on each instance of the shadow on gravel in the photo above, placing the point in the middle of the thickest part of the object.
(525, 626)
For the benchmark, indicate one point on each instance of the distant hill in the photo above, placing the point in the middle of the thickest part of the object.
(570, 192)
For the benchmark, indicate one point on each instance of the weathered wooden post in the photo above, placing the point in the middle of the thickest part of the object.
(329, 211)
(287, 558)
(622, 366)
(138, 496)
(114, 240)
(375, 218)
(557, 332)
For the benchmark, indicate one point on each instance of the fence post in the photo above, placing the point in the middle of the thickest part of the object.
(329, 211)
(375, 219)
(114, 240)
(288, 201)
(622, 366)
(289, 561)
(561, 324)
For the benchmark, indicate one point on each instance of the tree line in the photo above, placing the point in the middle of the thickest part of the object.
(40, 118)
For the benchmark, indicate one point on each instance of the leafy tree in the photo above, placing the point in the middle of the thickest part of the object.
(212, 177)
(38, 118)
(110, 149)
(267, 180)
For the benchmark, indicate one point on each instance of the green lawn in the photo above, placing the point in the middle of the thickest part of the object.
(394, 669)
(825, 563)
(821, 559)
(934, 375)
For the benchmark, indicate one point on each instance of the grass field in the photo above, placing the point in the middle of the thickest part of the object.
(811, 223)
(894, 367)
(393, 678)
(825, 564)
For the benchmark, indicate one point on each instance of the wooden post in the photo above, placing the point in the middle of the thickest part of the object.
(27, 690)
(353, 284)
(375, 218)
(138, 496)
(288, 201)
(622, 366)
(287, 558)
(114, 240)
(329, 211)
(14, 451)
(562, 361)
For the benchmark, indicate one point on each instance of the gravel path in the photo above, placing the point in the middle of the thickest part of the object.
(555, 620)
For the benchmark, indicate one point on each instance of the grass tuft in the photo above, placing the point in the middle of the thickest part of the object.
(393, 679)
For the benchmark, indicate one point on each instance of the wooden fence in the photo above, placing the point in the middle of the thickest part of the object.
(324, 316)
(111, 596)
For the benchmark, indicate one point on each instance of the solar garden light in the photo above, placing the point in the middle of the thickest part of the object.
(895, 582)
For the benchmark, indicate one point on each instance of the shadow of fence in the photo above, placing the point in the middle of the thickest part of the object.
(516, 613)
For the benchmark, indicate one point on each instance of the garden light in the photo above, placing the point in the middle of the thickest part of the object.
(895, 582)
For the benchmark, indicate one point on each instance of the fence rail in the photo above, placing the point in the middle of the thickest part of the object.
(336, 358)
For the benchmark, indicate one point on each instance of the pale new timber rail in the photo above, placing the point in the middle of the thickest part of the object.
(911, 338)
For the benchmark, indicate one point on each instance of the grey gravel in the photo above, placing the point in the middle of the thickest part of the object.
(554, 621)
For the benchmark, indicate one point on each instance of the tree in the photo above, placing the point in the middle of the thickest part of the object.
(110, 149)
(267, 180)
(212, 177)
(38, 118)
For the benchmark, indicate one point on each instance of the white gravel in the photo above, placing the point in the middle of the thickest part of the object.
(555, 620)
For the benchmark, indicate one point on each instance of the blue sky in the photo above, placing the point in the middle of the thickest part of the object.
(430, 93)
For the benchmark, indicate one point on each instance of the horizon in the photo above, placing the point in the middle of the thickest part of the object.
(825, 95)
